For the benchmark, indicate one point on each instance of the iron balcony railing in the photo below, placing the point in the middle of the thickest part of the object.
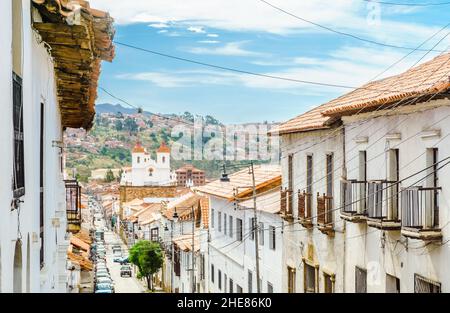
(73, 204)
(382, 200)
(420, 207)
(354, 197)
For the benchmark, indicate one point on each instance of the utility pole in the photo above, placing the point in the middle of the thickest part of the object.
(255, 229)
(173, 256)
(192, 252)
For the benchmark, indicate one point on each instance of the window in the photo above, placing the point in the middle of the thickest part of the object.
(212, 273)
(362, 177)
(393, 176)
(329, 175)
(250, 281)
(432, 181)
(251, 226)
(19, 165)
(360, 280)
(154, 234)
(310, 278)
(238, 289)
(392, 284)
(291, 280)
(219, 221)
(225, 282)
(269, 287)
(261, 234)
(230, 286)
(231, 226)
(309, 173)
(202, 267)
(212, 218)
(225, 224)
(219, 276)
(164, 159)
(290, 182)
(138, 160)
(328, 283)
(425, 285)
(272, 236)
(238, 229)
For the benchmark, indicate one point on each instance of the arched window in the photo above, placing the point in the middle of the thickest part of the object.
(164, 159)
(139, 160)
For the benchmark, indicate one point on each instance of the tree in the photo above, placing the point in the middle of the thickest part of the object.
(118, 125)
(109, 177)
(148, 257)
(130, 124)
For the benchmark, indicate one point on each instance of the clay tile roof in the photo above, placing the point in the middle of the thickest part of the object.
(138, 148)
(163, 148)
(79, 243)
(423, 80)
(184, 242)
(240, 182)
(204, 204)
(183, 206)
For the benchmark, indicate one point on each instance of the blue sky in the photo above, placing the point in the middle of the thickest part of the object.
(249, 35)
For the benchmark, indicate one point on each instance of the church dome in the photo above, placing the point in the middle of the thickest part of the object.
(163, 148)
(138, 148)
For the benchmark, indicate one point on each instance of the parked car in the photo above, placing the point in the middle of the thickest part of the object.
(104, 291)
(102, 274)
(104, 286)
(104, 280)
(125, 270)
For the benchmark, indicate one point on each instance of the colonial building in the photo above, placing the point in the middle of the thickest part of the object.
(49, 66)
(365, 188)
(229, 256)
(146, 171)
(189, 176)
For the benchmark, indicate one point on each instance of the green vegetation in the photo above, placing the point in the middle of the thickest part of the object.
(148, 257)
(109, 177)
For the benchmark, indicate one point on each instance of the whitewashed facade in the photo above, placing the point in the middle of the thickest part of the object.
(20, 243)
(313, 255)
(407, 141)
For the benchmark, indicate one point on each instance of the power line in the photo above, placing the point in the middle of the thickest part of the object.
(410, 4)
(236, 70)
(338, 31)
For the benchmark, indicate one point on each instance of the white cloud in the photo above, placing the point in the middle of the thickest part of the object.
(159, 25)
(351, 66)
(229, 49)
(212, 35)
(209, 41)
(162, 31)
(238, 15)
(196, 29)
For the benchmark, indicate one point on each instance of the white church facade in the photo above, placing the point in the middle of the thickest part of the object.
(146, 171)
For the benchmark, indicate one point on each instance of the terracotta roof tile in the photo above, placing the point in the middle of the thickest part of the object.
(425, 79)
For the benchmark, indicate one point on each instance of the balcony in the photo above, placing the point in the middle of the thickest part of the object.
(325, 214)
(73, 206)
(382, 205)
(305, 209)
(354, 201)
(420, 213)
(286, 203)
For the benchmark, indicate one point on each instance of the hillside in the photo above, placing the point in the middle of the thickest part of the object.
(116, 131)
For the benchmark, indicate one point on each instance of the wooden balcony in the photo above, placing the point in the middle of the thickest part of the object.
(382, 205)
(325, 214)
(305, 209)
(286, 203)
(353, 205)
(420, 213)
(73, 206)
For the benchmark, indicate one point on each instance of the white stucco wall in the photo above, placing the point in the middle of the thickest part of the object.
(327, 251)
(393, 254)
(38, 87)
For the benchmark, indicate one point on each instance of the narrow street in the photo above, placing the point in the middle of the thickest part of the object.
(121, 284)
